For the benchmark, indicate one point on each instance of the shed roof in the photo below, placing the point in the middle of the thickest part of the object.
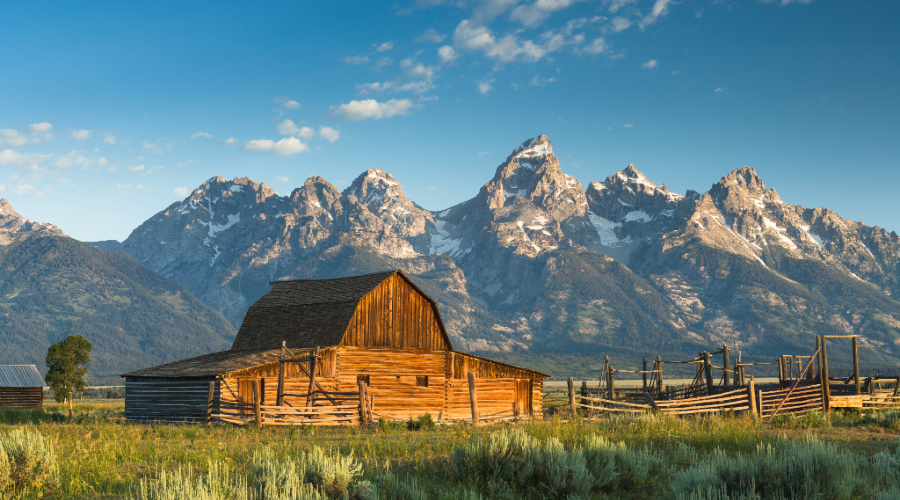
(20, 376)
(210, 365)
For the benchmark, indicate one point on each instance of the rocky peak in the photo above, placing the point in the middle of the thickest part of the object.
(629, 196)
(11, 222)
(376, 189)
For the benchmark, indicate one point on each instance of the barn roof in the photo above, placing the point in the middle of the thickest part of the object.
(20, 376)
(310, 313)
(210, 365)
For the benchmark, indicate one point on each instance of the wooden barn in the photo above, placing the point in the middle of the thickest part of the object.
(378, 334)
(21, 386)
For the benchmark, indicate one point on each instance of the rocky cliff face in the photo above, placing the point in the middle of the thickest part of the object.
(536, 262)
(14, 227)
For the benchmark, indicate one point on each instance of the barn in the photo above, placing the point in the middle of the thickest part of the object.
(21, 386)
(378, 329)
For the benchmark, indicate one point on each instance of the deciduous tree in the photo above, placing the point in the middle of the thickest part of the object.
(66, 360)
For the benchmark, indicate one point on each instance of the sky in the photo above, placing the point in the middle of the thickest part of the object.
(111, 111)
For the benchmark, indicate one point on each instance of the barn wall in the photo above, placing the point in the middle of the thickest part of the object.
(170, 400)
(394, 314)
(392, 379)
(21, 397)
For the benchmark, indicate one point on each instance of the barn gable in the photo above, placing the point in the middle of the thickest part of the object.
(375, 310)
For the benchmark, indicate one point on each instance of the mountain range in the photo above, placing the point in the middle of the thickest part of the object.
(52, 286)
(537, 267)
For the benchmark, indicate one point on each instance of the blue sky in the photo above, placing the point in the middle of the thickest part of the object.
(110, 111)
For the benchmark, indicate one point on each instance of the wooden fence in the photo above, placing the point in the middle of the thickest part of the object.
(738, 400)
(795, 401)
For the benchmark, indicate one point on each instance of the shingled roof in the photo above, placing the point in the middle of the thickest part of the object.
(210, 365)
(309, 313)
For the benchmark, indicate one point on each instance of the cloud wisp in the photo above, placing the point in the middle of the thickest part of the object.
(370, 109)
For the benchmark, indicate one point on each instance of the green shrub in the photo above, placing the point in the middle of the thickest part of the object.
(423, 423)
(888, 419)
(217, 484)
(806, 469)
(314, 470)
(27, 464)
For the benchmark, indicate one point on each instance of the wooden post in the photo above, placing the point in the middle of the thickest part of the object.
(818, 360)
(751, 392)
(781, 369)
(256, 409)
(364, 417)
(825, 379)
(571, 383)
(279, 396)
(473, 399)
(856, 365)
(644, 374)
(896, 387)
(310, 396)
(659, 380)
(612, 383)
(707, 365)
(725, 364)
(209, 401)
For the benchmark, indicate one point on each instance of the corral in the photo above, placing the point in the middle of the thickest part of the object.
(336, 352)
(21, 386)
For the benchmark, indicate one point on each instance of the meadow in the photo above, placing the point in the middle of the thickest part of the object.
(98, 455)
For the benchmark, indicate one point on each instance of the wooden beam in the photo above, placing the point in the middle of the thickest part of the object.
(794, 383)
(256, 396)
(707, 367)
(473, 397)
(751, 393)
(727, 376)
(650, 400)
(279, 393)
(644, 374)
(856, 364)
(825, 381)
(571, 383)
(311, 397)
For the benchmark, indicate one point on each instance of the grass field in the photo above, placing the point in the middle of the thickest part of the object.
(98, 455)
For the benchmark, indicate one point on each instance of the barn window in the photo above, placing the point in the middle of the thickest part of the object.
(362, 378)
(422, 380)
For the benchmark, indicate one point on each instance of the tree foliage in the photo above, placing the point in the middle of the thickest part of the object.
(66, 360)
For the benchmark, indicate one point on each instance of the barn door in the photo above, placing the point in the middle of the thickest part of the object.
(245, 395)
(523, 397)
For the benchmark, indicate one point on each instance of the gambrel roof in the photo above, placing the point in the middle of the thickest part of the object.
(311, 313)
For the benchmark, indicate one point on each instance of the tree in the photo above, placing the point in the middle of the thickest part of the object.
(66, 360)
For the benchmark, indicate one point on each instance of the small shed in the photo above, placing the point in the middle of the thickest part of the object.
(379, 328)
(21, 386)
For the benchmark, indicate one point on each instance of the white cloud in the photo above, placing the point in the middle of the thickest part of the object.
(329, 134)
(25, 161)
(80, 135)
(788, 2)
(285, 102)
(284, 147)
(121, 186)
(101, 162)
(34, 134)
(384, 47)
(597, 46)
(231, 142)
(307, 132)
(487, 10)
(447, 53)
(291, 104)
(628, 125)
(649, 64)
(370, 108)
(281, 178)
(719, 91)
(485, 86)
(537, 81)
(660, 8)
(109, 139)
(473, 37)
(157, 147)
(535, 13)
(206, 135)
(287, 127)
(356, 59)
(137, 168)
(180, 192)
(483, 154)
(615, 5)
(619, 24)
(430, 35)
(72, 159)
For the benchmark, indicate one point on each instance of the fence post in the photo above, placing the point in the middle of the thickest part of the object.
(279, 396)
(256, 409)
(725, 364)
(751, 392)
(856, 365)
(644, 374)
(612, 384)
(571, 384)
(659, 380)
(707, 366)
(363, 405)
(310, 396)
(473, 399)
(825, 381)
(584, 391)
(209, 400)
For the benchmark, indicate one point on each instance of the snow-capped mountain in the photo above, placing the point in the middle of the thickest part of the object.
(536, 262)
